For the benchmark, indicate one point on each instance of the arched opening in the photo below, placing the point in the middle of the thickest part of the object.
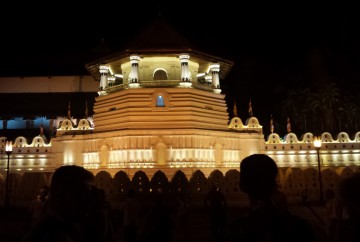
(160, 74)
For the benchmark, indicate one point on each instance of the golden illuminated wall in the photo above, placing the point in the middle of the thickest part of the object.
(184, 108)
(171, 149)
(291, 152)
(164, 149)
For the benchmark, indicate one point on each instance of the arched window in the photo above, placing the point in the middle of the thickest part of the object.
(160, 101)
(160, 74)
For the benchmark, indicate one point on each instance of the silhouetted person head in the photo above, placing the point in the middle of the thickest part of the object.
(44, 192)
(70, 191)
(269, 219)
(258, 174)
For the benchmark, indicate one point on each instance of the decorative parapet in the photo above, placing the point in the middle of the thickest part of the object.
(293, 152)
(343, 137)
(357, 137)
(22, 142)
(252, 125)
(163, 83)
(67, 127)
(27, 156)
(273, 139)
(326, 137)
(308, 137)
(291, 138)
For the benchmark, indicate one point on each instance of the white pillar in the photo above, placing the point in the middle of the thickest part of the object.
(134, 73)
(104, 70)
(185, 74)
(215, 68)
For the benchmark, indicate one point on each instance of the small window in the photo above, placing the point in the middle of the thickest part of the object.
(160, 101)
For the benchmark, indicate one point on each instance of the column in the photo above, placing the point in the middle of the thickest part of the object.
(185, 74)
(134, 73)
(215, 68)
(104, 70)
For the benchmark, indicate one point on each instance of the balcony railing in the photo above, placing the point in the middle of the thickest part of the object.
(162, 83)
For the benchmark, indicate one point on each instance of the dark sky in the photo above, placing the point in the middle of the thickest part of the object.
(274, 48)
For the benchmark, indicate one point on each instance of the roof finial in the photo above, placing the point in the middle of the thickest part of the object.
(68, 112)
(250, 109)
(288, 125)
(86, 110)
(41, 129)
(235, 109)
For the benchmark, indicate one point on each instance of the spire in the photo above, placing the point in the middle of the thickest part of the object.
(250, 109)
(41, 130)
(271, 124)
(159, 36)
(68, 112)
(288, 125)
(86, 110)
(235, 110)
(100, 49)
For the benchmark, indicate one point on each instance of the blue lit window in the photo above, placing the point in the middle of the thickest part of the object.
(160, 101)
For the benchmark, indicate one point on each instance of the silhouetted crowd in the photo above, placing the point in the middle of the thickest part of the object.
(73, 209)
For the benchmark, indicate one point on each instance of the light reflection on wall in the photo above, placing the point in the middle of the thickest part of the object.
(68, 158)
(181, 152)
(191, 154)
(91, 160)
(309, 158)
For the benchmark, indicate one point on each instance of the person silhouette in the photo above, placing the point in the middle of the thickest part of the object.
(38, 206)
(99, 222)
(268, 219)
(182, 217)
(349, 227)
(160, 223)
(333, 213)
(215, 202)
(69, 205)
(132, 210)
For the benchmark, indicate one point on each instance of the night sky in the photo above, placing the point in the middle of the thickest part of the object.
(274, 48)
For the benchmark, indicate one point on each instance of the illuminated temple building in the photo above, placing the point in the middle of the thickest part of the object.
(159, 115)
